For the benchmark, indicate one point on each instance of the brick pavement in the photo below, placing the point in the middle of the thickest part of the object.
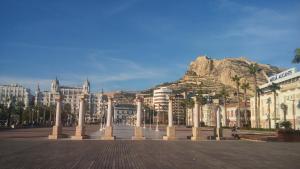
(126, 154)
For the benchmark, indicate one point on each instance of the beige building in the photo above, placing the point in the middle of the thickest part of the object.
(148, 101)
(178, 109)
(95, 102)
(289, 95)
(15, 92)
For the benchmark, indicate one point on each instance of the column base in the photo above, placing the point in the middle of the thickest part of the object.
(196, 134)
(80, 133)
(108, 134)
(218, 133)
(56, 133)
(138, 134)
(171, 134)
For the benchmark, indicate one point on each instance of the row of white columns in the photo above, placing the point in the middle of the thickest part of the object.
(80, 129)
(138, 132)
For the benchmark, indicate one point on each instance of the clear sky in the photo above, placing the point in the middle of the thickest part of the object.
(135, 44)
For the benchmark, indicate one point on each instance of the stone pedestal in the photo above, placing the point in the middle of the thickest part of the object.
(218, 133)
(56, 133)
(138, 134)
(171, 134)
(108, 134)
(196, 134)
(79, 133)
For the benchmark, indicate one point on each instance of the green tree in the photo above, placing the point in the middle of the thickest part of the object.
(66, 112)
(253, 70)
(224, 94)
(274, 87)
(19, 107)
(237, 79)
(284, 108)
(286, 124)
(297, 56)
(258, 92)
(3, 112)
(245, 86)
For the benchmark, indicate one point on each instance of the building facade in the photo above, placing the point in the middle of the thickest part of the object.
(15, 93)
(161, 101)
(95, 103)
(287, 101)
(124, 112)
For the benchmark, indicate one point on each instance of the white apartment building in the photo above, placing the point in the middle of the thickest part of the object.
(15, 92)
(160, 102)
(289, 95)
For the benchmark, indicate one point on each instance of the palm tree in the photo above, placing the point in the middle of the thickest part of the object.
(284, 107)
(253, 70)
(245, 86)
(237, 79)
(274, 87)
(269, 112)
(202, 101)
(259, 92)
(297, 56)
(224, 94)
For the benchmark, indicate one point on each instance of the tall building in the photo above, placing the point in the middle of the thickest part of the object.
(288, 96)
(15, 92)
(178, 109)
(161, 101)
(71, 96)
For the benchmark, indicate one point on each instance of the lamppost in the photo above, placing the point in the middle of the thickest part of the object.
(144, 118)
(157, 118)
(150, 119)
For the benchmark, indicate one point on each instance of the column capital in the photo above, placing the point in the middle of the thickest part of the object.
(110, 98)
(139, 99)
(170, 97)
(59, 97)
(82, 96)
(195, 99)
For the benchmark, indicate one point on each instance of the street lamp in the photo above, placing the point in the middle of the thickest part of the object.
(157, 118)
(150, 119)
(144, 119)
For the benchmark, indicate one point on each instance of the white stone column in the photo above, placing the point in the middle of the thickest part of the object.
(196, 113)
(138, 131)
(219, 131)
(58, 111)
(108, 133)
(138, 113)
(80, 129)
(170, 112)
(196, 129)
(81, 111)
(57, 129)
(109, 113)
(171, 132)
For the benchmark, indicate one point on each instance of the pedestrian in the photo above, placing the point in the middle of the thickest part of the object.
(235, 133)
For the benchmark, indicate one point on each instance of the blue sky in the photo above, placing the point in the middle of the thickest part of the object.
(136, 44)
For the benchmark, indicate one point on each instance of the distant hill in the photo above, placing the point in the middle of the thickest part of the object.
(212, 74)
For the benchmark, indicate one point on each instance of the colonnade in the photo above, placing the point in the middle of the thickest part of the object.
(138, 130)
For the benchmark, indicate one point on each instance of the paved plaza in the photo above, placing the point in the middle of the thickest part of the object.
(30, 148)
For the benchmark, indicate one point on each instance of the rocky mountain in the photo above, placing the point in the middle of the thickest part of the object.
(212, 74)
